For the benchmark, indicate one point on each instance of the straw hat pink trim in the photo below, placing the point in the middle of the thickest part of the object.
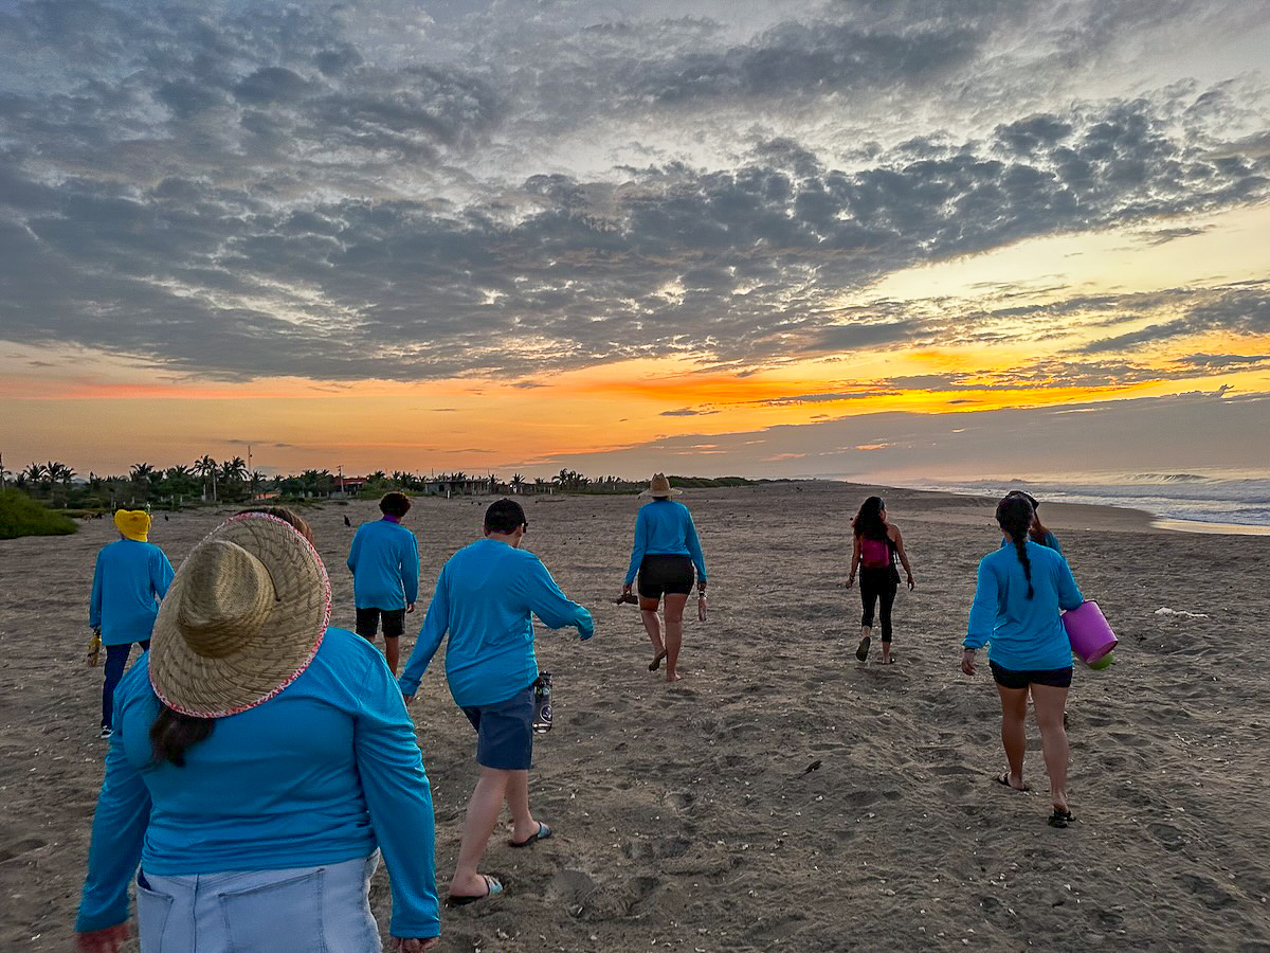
(170, 630)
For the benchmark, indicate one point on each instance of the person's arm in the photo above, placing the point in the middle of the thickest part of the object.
(1069, 594)
(431, 633)
(898, 537)
(353, 551)
(114, 851)
(1052, 542)
(553, 607)
(639, 545)
(983, 616)
(94, 597)
(410, 570)
(855, 559)
(161, 574)
(399, 801)
(694, 549)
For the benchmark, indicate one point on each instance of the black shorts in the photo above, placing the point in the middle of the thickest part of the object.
(1053, 677)
(666, 574)
(368, 622)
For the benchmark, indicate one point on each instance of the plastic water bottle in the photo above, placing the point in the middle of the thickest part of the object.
(542, 704)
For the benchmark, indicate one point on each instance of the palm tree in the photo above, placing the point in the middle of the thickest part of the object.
(518, 482)
(205, 466)
(234, 471)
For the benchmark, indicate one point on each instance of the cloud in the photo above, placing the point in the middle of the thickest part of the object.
(687, 412)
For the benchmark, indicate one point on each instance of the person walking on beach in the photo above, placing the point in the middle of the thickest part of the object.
(875, 543)
(1037, 532)
(1021, 591)
(384, 561)
(664, 552)
(485, 599)
(262, 764)
(130, 577)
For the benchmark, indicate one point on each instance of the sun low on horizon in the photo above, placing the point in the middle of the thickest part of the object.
(807, 239)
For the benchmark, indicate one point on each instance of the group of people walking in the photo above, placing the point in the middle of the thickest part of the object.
(262, 761)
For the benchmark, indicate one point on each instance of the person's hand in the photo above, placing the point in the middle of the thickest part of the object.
(410, 607)
(910, 582)
(968, 661)
(850, 580)
(585, 631)
(626, 588)
(414, 944)
(102, 941)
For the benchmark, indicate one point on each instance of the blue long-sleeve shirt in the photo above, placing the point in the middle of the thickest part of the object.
(484, 598)
(1023, 634)
(129, 580)
(384, 561)
(321, 773)
(665, 528)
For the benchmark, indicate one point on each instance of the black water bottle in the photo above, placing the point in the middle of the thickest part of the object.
(542, 704)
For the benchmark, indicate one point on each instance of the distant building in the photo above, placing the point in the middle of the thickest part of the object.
(468, 486)
(349, 486)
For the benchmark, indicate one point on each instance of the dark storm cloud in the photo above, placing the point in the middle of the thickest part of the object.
(270, 191)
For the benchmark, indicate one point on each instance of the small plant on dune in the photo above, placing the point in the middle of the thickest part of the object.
(22, 516)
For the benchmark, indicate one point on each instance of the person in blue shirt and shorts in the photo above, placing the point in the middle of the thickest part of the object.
(664, 552)
(485, 599)
(130, 577)
(384, 561)
(1023, 589)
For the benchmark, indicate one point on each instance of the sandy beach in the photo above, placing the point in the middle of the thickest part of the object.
(686, 818)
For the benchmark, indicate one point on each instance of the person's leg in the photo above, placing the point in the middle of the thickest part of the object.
(886, 599)
(652, 625)
(392, 652)
(868, 598)
(367, 623)
(1050, 703)
(1014, 730)
(394, 625)
(482, 816)
(116, 662)
(675, 603)
(524, 825)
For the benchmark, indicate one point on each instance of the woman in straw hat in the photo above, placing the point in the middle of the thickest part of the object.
(664, 552)
(260, 761)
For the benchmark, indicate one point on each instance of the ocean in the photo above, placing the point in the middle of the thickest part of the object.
(1240, 498)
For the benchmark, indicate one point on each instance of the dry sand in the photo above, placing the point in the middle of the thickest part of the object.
(685, 818)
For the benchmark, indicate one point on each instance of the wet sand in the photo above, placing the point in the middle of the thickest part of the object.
(686, 817)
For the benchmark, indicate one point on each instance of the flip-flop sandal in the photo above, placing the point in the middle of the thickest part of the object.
(1061, 818)
(543, 833)
(862, 652)
(492, 889)
(1005, 779)
(655, 664)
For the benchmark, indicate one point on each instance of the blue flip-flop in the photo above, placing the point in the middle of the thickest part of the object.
(542, 834)
(493, 887)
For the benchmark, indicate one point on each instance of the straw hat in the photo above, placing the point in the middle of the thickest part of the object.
(659, 488)
(243, 618)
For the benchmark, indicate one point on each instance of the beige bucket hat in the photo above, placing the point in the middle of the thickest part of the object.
(242, 620)
(659, 488)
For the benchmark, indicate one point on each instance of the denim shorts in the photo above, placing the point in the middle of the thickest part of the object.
(504, 732)
(322, 909)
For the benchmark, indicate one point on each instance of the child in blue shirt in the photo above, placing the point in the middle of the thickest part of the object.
(384, 561)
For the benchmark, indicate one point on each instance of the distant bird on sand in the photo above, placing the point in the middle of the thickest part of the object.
(346, 522)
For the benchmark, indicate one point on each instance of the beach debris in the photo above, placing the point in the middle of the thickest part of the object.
(1180, 613)
(814, 766)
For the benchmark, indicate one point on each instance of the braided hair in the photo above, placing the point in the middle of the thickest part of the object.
(1014, 516)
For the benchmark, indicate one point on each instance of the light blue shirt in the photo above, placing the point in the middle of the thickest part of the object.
(665, 528)
(384, 561)
(323, 772)
(485, 597)
(1024, 635)
(129, 579)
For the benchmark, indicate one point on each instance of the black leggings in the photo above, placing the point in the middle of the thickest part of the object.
(878, 584)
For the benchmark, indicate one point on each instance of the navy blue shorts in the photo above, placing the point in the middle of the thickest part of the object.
(1053, 677)
(504, 732)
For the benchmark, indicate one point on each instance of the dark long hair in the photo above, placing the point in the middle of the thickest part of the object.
(1014, 516)
(172, 733)
(868, 522)
(1036, 531)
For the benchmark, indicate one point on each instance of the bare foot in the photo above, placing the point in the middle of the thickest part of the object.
(655, 664)
(672, 677)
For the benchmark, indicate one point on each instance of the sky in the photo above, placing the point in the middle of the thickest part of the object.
(837, 238)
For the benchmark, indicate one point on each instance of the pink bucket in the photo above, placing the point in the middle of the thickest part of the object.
(1087, 630)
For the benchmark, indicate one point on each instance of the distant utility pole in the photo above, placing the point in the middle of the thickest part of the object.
(249, 467)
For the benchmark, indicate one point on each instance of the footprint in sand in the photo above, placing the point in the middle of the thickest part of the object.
(19, 848)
